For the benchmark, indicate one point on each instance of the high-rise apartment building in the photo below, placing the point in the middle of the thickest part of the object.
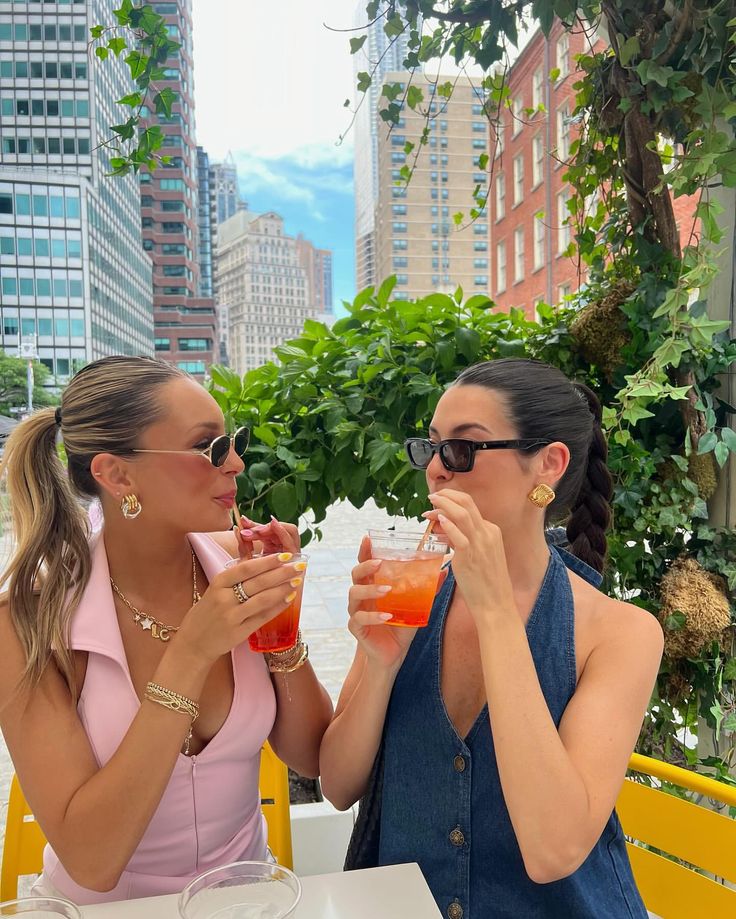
(260, 273)
(75, 281)
(185, 322)
(204, 223)
(530, 225)
(318, 265)
(225, 190)
(386, 55)
(416, 236)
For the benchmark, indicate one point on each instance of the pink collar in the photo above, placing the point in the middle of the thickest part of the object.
(94, 626)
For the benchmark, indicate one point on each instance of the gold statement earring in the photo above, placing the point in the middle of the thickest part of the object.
(131, 507)
(541, 496)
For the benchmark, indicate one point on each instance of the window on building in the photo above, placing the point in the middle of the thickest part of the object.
(7, 245)
(518, 254)
(500, 196)
(399, 209)
(563, 55)
(518, 179)
(195, 344)
(563, 133)
(399, 227)
(52, 107)
(564, 291)
(75, 288)
(479, 143)
(480, 245)
(537, 160)
(6, 203)
(162, 344)
(500, 132)
(481, 280)
(517, 121)
(43, 289)
(501, 266)
(9, 286)
(10, 325)
(56, 205)
(538, 88)
(480, 229)
(191, 366)
(538, 242)
(563, 216)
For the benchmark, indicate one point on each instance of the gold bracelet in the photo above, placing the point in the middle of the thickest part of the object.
(289, 660)
(176, 703)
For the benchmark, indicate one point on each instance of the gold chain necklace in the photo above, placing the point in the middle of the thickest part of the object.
(148, 622)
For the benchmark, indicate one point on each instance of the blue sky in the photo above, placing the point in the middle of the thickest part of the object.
(270, 88)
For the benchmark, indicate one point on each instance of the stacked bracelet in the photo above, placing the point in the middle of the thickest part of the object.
(289, 660)
(176, 703)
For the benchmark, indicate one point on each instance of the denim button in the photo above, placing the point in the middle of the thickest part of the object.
(459, 763)
(454, 911)
(456, 837)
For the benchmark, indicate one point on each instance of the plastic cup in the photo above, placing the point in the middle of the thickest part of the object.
(279, 633)
(243, 890)
(40, 908)
(411, 572)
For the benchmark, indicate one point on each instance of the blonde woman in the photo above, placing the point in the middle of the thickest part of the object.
(132, 706)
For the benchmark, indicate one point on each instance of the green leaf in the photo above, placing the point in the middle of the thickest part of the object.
(282, 499)
(721, 451)
(164, 100)
(675, 622)
(117, 46)
(384, 291)
(468, 343)
(707, 443)
(357, 43)
(260, 472)
(651, 72)
(265, 434)
(414, 96)
(96, 31)
(628, 50)
(102, 53)
(728, 436)
(132, 99)
(364, 81)
(729, 669)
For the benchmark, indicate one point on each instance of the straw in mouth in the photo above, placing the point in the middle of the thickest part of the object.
(238, 520)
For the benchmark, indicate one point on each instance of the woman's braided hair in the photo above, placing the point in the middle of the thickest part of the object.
(543, 404)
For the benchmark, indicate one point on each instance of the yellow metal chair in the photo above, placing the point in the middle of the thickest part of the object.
(699, 836)
(23, 846)
(274, 785)
(24, 841)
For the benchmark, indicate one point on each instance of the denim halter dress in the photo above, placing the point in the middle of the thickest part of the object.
(442, 804)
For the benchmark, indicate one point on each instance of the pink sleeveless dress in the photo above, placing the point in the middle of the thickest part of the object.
(210, 813)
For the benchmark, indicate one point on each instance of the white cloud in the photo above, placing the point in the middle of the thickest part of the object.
(270, 79)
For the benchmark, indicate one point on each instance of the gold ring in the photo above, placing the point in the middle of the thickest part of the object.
(240, 592)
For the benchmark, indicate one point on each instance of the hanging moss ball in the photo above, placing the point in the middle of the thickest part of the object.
(601, 328)
(699, 596)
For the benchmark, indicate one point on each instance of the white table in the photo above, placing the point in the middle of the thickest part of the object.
(393, 892)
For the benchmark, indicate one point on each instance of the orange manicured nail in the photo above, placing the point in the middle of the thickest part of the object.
(295, 582)
(300, 566)
(284, 556)
(290, 597)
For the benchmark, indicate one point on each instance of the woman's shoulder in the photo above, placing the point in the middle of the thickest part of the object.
(226, 540)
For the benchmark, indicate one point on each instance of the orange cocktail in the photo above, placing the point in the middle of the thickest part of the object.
(279, 633)
(411, 572)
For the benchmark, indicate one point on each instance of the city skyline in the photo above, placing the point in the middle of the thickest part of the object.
(284, 134)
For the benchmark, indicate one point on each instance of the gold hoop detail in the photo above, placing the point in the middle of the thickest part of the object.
(131, 507)
(541, 496)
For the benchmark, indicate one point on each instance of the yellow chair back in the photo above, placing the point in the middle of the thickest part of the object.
(23, 846)
(24, 841)
(274, 785)
(699, 836)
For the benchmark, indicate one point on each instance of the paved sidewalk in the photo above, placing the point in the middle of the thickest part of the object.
(324, 607)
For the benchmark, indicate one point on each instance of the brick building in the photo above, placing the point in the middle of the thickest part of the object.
(529, 231)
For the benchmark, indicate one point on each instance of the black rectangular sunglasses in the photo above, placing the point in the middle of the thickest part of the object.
(457, 454)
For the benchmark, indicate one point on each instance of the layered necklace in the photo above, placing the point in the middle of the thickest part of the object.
(149, 623)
